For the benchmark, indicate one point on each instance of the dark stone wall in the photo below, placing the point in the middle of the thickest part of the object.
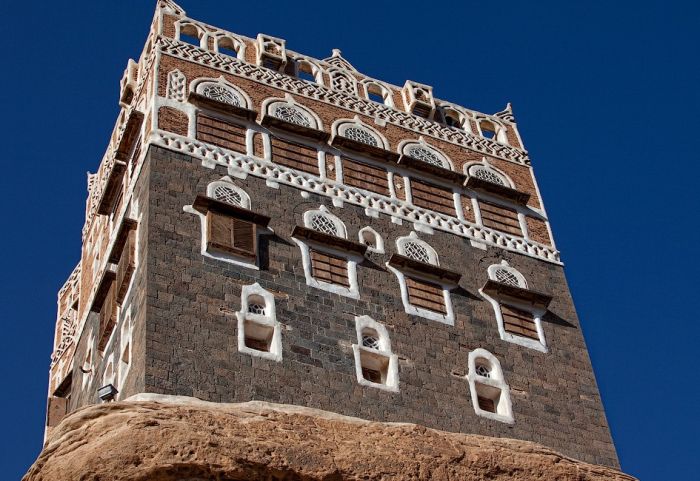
(191, 344)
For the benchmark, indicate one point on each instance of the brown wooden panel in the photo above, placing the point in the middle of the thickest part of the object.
(231, 234)
(432, 197)
(363, 176)
(329, 268)
(295, 156)
(126, 266)
(224, 134)
(108, 317)
(500, 218)
(517, 321)
(486, 404)
(426, 295)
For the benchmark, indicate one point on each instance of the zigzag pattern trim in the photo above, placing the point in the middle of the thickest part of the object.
(240, 68)
(240, 163)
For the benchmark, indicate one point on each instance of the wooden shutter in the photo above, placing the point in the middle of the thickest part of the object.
(432, 197)
(486, 404)
(57, 410)
(295, 156)
(329, 268)
(517, 321)
(363, 176)
(126, 266)
(230, 234)
(500, 218)
(108, 316)
(218, 132)
(372, 375)
(426, 295)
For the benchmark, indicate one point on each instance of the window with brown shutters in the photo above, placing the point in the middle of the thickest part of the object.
(426, 295)
(364, 176)
(108, 317)
(218, 132)
(329, 268)
(432, 197)
(500, 218)
(519, 322)
(486, 404)
(126, 266)
(295, 156)
(230, 234)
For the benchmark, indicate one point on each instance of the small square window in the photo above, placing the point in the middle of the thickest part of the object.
(257, 336)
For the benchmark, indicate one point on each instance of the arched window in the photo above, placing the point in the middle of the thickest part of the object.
(190, 33)
(226, 191)
(423, 294)
(259, 332)
(229, 46)
(427, 154)
(371, 239)
(221, 93)
(489, 392)
(518, 310)
(375, 364)
(492, 130)
(328, 265)
(488, 174)
(377, 92)
(308, 71)
(292, 114)
(359, 134)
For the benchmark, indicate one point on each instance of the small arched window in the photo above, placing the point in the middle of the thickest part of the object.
(323, 221)
(308, 71)
(359, 134)
(416, 249)
(378, 93)
(259, 333)
(489, 392)
(375, 364)
(292, 113)
(228, 46)
(492, 130)
(226, 191)
(221, 93)
(371, 239)
(428, 155)
(505, 274)
(190, 33)
(488, 174)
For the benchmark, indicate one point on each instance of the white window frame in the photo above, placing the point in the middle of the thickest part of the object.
(405, 145)
(392, 377)
(305, 247)
(379, 247)
(468, 169)
(226, 182)
(126, 337)
(341, 125)
(271, 104)
(268, 319)
(539, 344)
(449, 316)
(198, 85)
(504, 410)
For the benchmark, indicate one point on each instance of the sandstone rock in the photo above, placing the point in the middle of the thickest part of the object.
(189, 440)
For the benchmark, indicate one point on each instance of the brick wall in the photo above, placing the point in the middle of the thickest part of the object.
(191, 345)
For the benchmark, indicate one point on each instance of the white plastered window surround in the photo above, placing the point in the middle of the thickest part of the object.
(508, 275)
(373, 351)
(257, 319)
(230, 42)
(191, 29)
(290, 111)
(485, 171)
(357, 130)
(221, 90)
(498, 130)
(225, 183)
(413, 247)
(455, 116)
(373, 87)
(323, 221)
(88, 366)
(305, 65)
(225, 190)
(125, 347)
(371, 238)
(421, 150)
(486, 380)
(342, 81)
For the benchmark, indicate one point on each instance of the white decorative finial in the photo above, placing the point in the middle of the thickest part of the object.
(337, 52)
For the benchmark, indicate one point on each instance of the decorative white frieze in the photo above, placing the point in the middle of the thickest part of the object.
(396, 208)
(347, 101)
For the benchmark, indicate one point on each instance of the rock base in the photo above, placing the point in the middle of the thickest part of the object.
(159, 438)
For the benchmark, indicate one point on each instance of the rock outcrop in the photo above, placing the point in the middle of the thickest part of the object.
(153, 438)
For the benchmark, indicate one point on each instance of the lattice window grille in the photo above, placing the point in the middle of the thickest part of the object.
(488, 175)
(483, 370)
(506, 277)
(256, 308)
(221, 94)
(360, 135)
(416, 251)
(371, 341)
(323, 224)
(421, 153)
(228, 195)
(291, 114)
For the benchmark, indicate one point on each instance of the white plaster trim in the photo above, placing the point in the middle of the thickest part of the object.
(405, 144)
(413, 237)
(353, 291)
(268, 319)
(227, 182)
(196, 86)
(339, 127)
(391, 383)
(221, 256)
(269, 103)
(379, 247)
(396, 208)
(504, 266)
(448, 318)
(323, 211)
(488, 166)
(496, 381)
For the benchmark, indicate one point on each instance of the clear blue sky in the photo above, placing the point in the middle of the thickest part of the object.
(606, 97)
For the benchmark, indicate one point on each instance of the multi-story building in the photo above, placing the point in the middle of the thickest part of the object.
(269, 226)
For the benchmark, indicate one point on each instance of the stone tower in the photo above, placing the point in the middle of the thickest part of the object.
(267, 226)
